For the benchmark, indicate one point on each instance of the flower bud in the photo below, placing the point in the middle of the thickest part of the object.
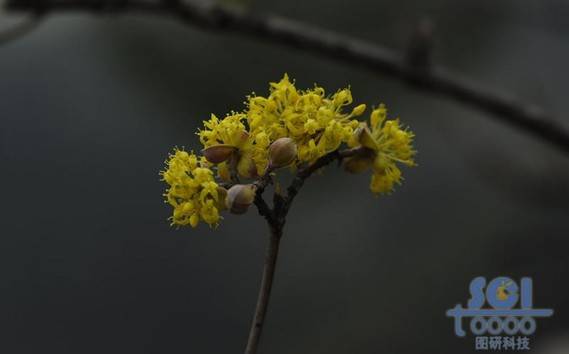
(218, 153)
(359, 110)
(221, 197)
(282, 152)
(240, 197)
(363, 136)
(342, 97)
(357, 164)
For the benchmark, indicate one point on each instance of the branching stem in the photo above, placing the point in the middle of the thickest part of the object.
(276, 218)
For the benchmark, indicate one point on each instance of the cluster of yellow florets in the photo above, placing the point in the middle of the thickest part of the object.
(288, 127)
(317, 123)
(193, 192)
(388, 144)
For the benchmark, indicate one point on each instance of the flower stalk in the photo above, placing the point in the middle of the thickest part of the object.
(276, 219)
(265, 290)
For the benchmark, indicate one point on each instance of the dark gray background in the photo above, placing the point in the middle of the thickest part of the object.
(91, 106)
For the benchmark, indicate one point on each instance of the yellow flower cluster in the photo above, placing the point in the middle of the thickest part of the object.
(299, 125)
(192, 192)
(387, 144)
(231, 141)
(317, 123)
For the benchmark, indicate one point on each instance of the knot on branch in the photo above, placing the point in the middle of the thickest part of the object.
(420, 47)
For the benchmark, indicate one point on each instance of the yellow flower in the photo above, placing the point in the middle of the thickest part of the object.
(228, 141)
(388, 144)
(230, 131)
(317, 123)
(192, 192)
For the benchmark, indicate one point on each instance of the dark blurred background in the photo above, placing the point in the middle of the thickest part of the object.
(91, 106)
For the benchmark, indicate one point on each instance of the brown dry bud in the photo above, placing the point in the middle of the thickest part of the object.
(363, 135)
(357, 164)
(240, 197)
(282, 152)
(218, 153)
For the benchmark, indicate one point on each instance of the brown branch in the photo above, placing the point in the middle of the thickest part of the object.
(276, 218)
(303, 174)
(263, 208)
(265, 290)
(261, 183)
(430, 79)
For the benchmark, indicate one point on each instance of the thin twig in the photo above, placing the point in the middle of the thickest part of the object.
(276, 218)
(263, 208)
(265, 290)
(431, 79)
(303, 174)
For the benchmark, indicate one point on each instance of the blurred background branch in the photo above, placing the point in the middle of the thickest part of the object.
(20, 29)
(414, 67)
